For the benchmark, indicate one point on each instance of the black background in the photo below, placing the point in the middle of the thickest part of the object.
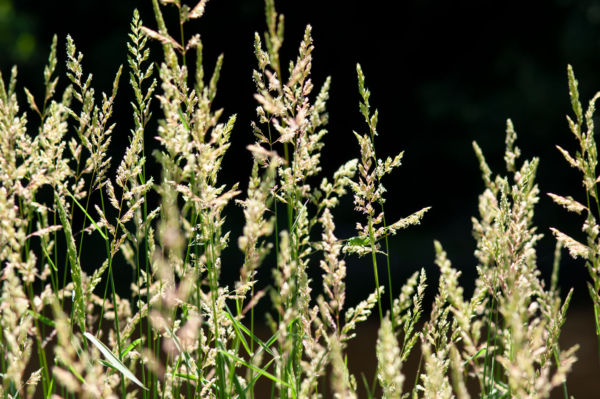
(442, 74)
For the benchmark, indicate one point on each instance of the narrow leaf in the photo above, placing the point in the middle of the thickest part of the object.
(258, 370)
(236, 382)
(107, 364)
(43, 319)
(74, 261)
(50, 388)
(475, 356)
(253, 382)
(113, 359)
(367, 388)
(237, 330)
(130, 347)
(239, 325)
(86, 214)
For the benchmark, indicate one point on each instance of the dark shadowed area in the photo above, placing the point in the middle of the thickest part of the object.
(442, 75)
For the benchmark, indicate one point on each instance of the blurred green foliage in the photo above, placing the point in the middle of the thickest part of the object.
(17, 34)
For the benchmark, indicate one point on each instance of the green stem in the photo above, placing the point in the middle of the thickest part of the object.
(182, 37)
(87, 203)
(372, 239)
(564, 384)
(595, 277)
(137, 258)
(487, 351)
(109, 270)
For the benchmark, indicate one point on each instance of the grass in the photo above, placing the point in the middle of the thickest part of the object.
(182, 333)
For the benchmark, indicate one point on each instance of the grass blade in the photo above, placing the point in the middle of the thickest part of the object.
(130, 347)
(236, 383)
(186, 356)
(50, 388)
(49, 259)
(86, 214)
(475, 356)
(258, 376)
(367, 388)
(258, 370)
(114, 360)
(74, 261)
(107, 364)
(43, 319)
(237, 325)
(237, 330)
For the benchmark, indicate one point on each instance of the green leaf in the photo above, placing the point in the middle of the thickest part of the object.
(86, 214)
(186, 356)
(183, 119)
(48, 257)
(236, 383)
(113, 359)
(258, 370)
(50, 387)
(43, 319)
(367, 388)
(130, 347)
(74, 261)
(220, 374)
(237, 325)
(76, 374)
(475, 356)
(258, 376)
(190, 377)
(107, 364)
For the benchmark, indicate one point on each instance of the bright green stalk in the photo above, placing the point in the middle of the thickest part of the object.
(387, 247)
(87, 203)
(137, 258)
(75, 266)
(372, 240)
(182, 37)
(487, 352)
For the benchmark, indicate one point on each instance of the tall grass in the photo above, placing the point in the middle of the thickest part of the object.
(182, 333)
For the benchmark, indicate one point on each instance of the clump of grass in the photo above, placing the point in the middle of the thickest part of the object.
(182, 333)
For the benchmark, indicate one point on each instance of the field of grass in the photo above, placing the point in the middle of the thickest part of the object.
(182, 332)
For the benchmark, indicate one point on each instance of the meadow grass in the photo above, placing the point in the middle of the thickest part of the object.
(184, 334)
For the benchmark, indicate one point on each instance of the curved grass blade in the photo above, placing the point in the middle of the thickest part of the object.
(190, 377)
(237, 325)
(475, 356)
(237, 330)
(76, 374)
(50, 388)
(258, 370)
(74, 261)
(114, 360)
(367, 387)
(257, 376)
(86, 214)
(107, 364)
(130, 347)
(49, 259)
(186, 356)
(241, 392)
(43, 319)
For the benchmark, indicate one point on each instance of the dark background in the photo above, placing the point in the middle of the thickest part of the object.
(442, 75)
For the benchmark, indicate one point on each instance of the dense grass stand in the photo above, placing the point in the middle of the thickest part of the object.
(181, 333)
